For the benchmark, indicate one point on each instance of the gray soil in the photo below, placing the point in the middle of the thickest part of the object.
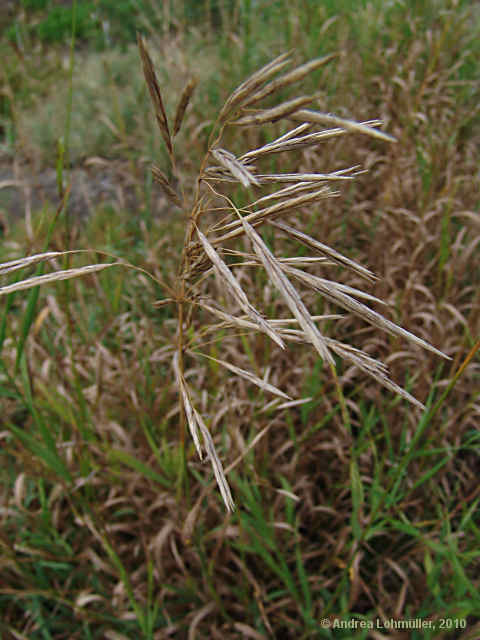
(92, 187)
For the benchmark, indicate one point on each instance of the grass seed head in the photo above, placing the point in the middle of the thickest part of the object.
(183, 103)
(155, 93)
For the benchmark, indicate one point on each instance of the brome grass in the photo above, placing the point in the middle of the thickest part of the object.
(208, 240)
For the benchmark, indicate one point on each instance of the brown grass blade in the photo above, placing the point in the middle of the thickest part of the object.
(155, 93)
(237, 291)
(288, 292)
(185, 98)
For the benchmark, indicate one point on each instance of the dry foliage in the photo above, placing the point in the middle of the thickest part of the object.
(315, 497)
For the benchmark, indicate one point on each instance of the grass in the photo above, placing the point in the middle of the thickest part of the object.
(352, 505)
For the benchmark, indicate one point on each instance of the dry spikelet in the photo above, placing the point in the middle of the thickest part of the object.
(155, 93)
(192, 423)
(288, 292)
(227, 318)
(291, 144)
(251, 377)
(196, 424)
(358, 358)
(299, 188)
(297, 261)
(302, 177)
(20, 263)
(293, 190)
(275, 113)
(312, 243)
(167, 188)
(243, 323)
(293, 133)
(183, 104)
(286, 321)
(67, 274)
(330, 286)
(371, 367)
(305, 115)
(336, 293)
(259, 217)
(215, 461)
(248, 87)
(288, 78)
(237, 291)
(235, 167)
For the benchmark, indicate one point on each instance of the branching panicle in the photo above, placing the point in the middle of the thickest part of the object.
(205, 251)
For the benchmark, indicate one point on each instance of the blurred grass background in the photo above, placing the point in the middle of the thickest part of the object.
(376, 519)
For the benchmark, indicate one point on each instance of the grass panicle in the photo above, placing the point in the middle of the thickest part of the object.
(208, 245)
(213, 240)
(126, 396)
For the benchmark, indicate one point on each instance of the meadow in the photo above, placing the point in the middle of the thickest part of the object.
(244, 401)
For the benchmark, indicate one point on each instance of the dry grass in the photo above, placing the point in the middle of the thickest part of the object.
(195, 264)
(197, 259)
(350, 504)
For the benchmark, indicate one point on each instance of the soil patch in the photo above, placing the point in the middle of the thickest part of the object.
(95, 185)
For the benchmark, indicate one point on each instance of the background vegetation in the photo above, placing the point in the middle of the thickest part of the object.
(103, 534)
